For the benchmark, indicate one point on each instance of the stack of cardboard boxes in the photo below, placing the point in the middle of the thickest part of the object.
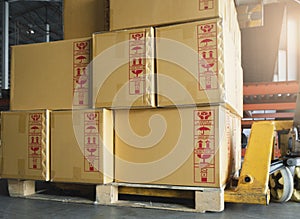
(171, 70)
(155, 100)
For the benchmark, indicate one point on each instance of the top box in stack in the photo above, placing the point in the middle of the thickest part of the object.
(84, 17)
(55, 75)
(137, 13)
(50, 75)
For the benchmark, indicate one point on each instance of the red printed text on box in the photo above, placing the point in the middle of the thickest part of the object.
(35, 135)
(208, 56)
(81, 52)
(206, 5)
(204, 146)
(137, 63)
(91, 142)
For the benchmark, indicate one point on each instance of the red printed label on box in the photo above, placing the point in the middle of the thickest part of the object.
(228, 134)
(208, 56)
(91, 142)
(137, 53)
(204, 146)
(81, 52)
(206, 5)
(35, 141)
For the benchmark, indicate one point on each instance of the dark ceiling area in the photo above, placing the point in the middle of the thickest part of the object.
(29, 22)
(28, 19)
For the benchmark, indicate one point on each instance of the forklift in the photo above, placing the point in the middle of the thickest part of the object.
(264, 177)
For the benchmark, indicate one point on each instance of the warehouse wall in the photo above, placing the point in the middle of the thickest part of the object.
(260, 46)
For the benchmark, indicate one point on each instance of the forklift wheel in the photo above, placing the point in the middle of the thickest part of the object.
(296, 193)
(281, 185)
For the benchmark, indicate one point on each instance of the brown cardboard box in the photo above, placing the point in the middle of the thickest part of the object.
(25, 145)
(137, 13)
(123, 69)
(82, 18)
(50, 75)
(236, 135)
(82, 146)
(198, 63)
(184, 146)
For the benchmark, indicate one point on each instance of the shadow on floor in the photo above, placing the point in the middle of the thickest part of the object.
(3, 187)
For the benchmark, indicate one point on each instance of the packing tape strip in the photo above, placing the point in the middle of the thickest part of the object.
(52, 120)
(76, 172)
(21, 167)
(52, 175)
(22, 123)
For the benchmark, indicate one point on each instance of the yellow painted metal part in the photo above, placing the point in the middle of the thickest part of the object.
(283, 125)
(252, 186)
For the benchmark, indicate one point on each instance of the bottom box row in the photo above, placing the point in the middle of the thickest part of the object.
(174, 146)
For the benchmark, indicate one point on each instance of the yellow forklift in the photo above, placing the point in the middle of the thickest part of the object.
(263, 177)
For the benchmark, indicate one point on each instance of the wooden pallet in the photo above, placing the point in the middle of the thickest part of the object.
(178, 198)
(203, 199)
(29, 189)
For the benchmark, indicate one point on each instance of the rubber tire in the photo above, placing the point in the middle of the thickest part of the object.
(296, 193)
(281, 185)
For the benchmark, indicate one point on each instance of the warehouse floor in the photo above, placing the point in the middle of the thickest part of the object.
(26, 208)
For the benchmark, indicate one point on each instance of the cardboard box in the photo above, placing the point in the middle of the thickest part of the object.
(236, 155)
(184, 146)
(50, 75)
(136, 13)
(123, 69)
(198, 64)
(82, 146)
(25, 145)
(83, 18)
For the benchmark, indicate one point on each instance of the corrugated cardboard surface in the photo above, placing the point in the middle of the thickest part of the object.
(25, 145)
(82, 18)
(137, 13)
(199, 63)
(185, 146)
(123, 69)
(50, 75)
(236, 144)
(82, 146)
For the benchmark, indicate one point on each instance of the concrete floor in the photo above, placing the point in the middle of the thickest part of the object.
(26, 208)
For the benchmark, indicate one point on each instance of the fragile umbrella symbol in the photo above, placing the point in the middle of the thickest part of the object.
(203, 129)
(81, 58)
(206, 41)
(35, 128)
(91, 128)
(136, 49)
